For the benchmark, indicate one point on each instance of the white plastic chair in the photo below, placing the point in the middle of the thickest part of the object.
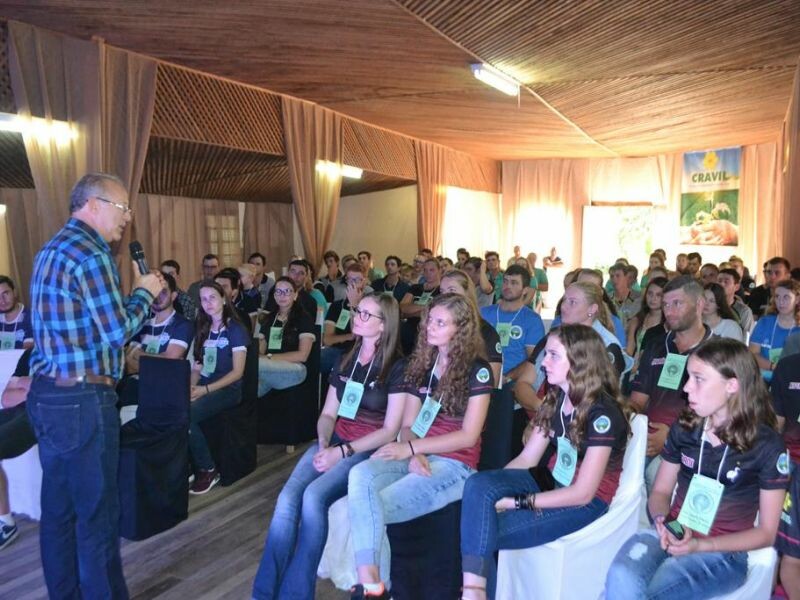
(575, 565)
(25, 483)
(761, 565)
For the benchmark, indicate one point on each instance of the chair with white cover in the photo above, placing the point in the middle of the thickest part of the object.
(761, 565)
(575, 565)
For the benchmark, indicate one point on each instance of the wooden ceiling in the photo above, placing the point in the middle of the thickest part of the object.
(629, 77)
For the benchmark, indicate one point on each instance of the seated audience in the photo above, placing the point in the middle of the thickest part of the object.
(709, 273)
(285, 340)
(730, 465)
(16, 331)
(681, 263)
(655, 390)
(693, 262)
(552, 259)
(337, 336)
(718, 315)
(363, 411)
(494, 273)
(246, 308)
(656, 261)
(209, 268)
(220, 349)
(730, 280)
(449, 387)
(16, 438)
(475, 267)
(649, 315)
(776, 269)
(262, 281)
(781, 320)
(247, 280)
(596, 277)
(584, 424)
(519, 328)
(627, 300)
(392, 283)
(462, 256)
(365, 260)
(183, 304)
(414, 302)
(332, 280)
(541, 276)
(298, 272)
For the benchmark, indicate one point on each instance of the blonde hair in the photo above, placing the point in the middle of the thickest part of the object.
(594, 295)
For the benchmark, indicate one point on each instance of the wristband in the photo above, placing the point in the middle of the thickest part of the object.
(412, 448)
(207, 390)
(350, 450)
(531, 501)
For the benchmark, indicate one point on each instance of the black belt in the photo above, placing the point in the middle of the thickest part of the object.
(88, 378)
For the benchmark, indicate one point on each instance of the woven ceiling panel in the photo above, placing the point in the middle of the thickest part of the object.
(14, 169)
(472, 173)
(201, 108)
(377, 150)
(6, 95)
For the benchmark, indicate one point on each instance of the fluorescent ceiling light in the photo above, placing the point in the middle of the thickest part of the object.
(491, 76)
(44, 130)
(334, 170)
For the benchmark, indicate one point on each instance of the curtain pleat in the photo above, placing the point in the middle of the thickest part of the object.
(431, 193)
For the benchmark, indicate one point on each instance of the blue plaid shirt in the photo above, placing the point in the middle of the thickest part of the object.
(80, 319)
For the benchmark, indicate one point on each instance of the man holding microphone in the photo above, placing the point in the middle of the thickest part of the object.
(81, 322)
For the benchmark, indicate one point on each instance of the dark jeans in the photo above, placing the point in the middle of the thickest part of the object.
(484, 530)
(204, 408)
(16, 434)
(78, 432)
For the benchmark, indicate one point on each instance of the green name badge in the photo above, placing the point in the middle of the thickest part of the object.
(8, 340)
(775, 355)
(504, 331)
(153, 345)
(672, 371)
(209, 360)
(275, 338)
(566, 462)
(424, 299)
(426, 417)
(351, 399)
(701, 504)
(344, 319)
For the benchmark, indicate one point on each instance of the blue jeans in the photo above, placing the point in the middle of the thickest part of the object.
(278, 374)
(78, 432)
(484, 530)
(289, 563)
(204, 408)
(381, 492)
(642, 569)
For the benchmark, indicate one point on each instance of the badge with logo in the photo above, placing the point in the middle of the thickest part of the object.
(515, 332)
(209, 360)
(701, 504)
(425, 418)
(504, 331)
(672, 371)
(566, 462)
(783, 465)
(351, 399)
(7, 340)
(483, 375)
(602, 424)
(343, 320)
(275, 338)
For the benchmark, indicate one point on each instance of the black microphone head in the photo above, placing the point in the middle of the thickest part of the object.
(137, 252)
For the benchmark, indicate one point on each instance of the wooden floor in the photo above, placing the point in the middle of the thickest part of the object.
(214, 554)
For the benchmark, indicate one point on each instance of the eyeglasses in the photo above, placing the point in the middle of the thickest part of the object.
(365, 315)
(283, 292)
(123, 207)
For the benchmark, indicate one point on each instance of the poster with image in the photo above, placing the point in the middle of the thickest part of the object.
(710, 197)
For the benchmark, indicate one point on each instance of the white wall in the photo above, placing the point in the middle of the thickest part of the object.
(382, 222)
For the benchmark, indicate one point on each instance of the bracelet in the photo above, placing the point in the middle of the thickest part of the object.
(521, 501)
(207, 390)
(532, 501)
(340, 447)
(412, 448)
(350, 450)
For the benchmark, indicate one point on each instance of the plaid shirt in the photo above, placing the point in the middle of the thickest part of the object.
(80, 320)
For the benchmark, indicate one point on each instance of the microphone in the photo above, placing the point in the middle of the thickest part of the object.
(137, 254)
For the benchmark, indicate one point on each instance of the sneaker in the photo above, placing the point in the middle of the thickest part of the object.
(204, 481)
(357, 592)
(8, 533)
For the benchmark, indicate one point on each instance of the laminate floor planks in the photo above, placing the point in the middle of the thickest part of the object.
(212, 555)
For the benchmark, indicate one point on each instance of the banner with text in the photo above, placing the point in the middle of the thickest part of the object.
(710, 197)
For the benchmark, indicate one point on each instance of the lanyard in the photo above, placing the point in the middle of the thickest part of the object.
(703, 439)
(511, 322)
(355, 364)
(433, 370)
(160, 328)
(275, 320)
(219, 334)
(666, 342)
(561, 414)
(774, 327)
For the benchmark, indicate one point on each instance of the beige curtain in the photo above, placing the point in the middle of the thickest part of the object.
(313, 133)
(431, 161)
(56, 77)
(789, 170)
(760, 210)
(128, 97)
(668, 205)
(268, 230)
(184, 229)
(21, 218)
(542, 206)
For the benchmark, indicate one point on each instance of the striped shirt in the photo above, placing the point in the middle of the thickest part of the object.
(80, 319)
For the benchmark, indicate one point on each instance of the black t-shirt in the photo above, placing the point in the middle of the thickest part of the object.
(418, 289)
(663, 405)
(758, 301)
(293, 330)
(491, 339)
(605, 426)
(399, 290)
(765, 466)
(334, 312)
(372, 410)
(785, 387)
(307, 303)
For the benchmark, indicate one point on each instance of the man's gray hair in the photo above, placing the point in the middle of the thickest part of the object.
(91, 184)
